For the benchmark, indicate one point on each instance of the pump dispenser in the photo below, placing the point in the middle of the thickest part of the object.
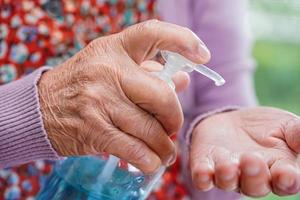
(106, 177)
(175, 62)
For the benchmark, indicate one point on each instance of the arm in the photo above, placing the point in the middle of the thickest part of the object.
(22, 135)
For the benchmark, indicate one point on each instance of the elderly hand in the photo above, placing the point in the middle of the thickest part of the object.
(102, 100)
(253, 150)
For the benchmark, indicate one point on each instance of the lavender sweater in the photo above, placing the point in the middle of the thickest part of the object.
(220, 24)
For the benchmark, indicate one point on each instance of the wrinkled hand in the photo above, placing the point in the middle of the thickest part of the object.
(103, 100)
(253, 150)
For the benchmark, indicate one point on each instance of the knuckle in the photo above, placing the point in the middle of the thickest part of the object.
(84, 104)
(82, 77)
(291, 131)
(153, 129)
(101, 46)
(95, 44)
(150, 127)
(105, 141)
(168, 100)
(136, 152)
(90, 49)
(166, 95)
(150, 24)
(149, 28)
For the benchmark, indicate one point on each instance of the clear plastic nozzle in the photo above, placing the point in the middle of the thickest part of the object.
(217, 78)
(175, 62)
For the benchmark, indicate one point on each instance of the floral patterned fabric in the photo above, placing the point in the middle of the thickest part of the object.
(34, 33)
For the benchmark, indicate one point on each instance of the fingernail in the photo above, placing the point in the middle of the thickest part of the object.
(264, 190)
(232, 187)
(196, 36)
(203, 178)
(157, 169)
(285, 182)
(171, 160)
(209, 187)
(204, 52)
(252, 170)
(228, 177)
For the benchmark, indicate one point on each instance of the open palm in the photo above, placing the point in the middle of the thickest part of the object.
(252, 150)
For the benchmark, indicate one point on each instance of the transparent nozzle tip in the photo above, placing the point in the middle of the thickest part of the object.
(220, 83)
(217, 78)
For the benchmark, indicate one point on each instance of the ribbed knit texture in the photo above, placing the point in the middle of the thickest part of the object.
(22, 134)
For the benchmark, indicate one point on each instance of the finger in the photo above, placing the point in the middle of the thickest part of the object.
(133, 120)
(131, 150)
(181, 79)
(285, 177)
(292, 134)
(100, 136)
(226, 170)
(143, 40)
(154, 96)
(202, 167)
(255, 175)
(152, 66)
(203, 175)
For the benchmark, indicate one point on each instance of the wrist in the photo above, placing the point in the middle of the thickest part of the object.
(200, 118)
(23, 134)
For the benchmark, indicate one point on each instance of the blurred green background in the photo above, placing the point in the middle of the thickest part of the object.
(275, 25)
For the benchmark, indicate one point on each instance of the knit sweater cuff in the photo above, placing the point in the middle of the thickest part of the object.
(22, 134)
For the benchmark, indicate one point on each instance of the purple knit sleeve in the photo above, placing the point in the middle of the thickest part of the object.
(22, 134)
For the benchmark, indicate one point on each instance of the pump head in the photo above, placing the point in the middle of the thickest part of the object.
(176, 62)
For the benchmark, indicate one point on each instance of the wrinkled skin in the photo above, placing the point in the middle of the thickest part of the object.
(252, 150)
(104, 99)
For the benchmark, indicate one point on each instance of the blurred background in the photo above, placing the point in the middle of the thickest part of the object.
(275, 25)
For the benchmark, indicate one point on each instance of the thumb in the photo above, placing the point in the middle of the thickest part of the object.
(292, 134)
(142, 41)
